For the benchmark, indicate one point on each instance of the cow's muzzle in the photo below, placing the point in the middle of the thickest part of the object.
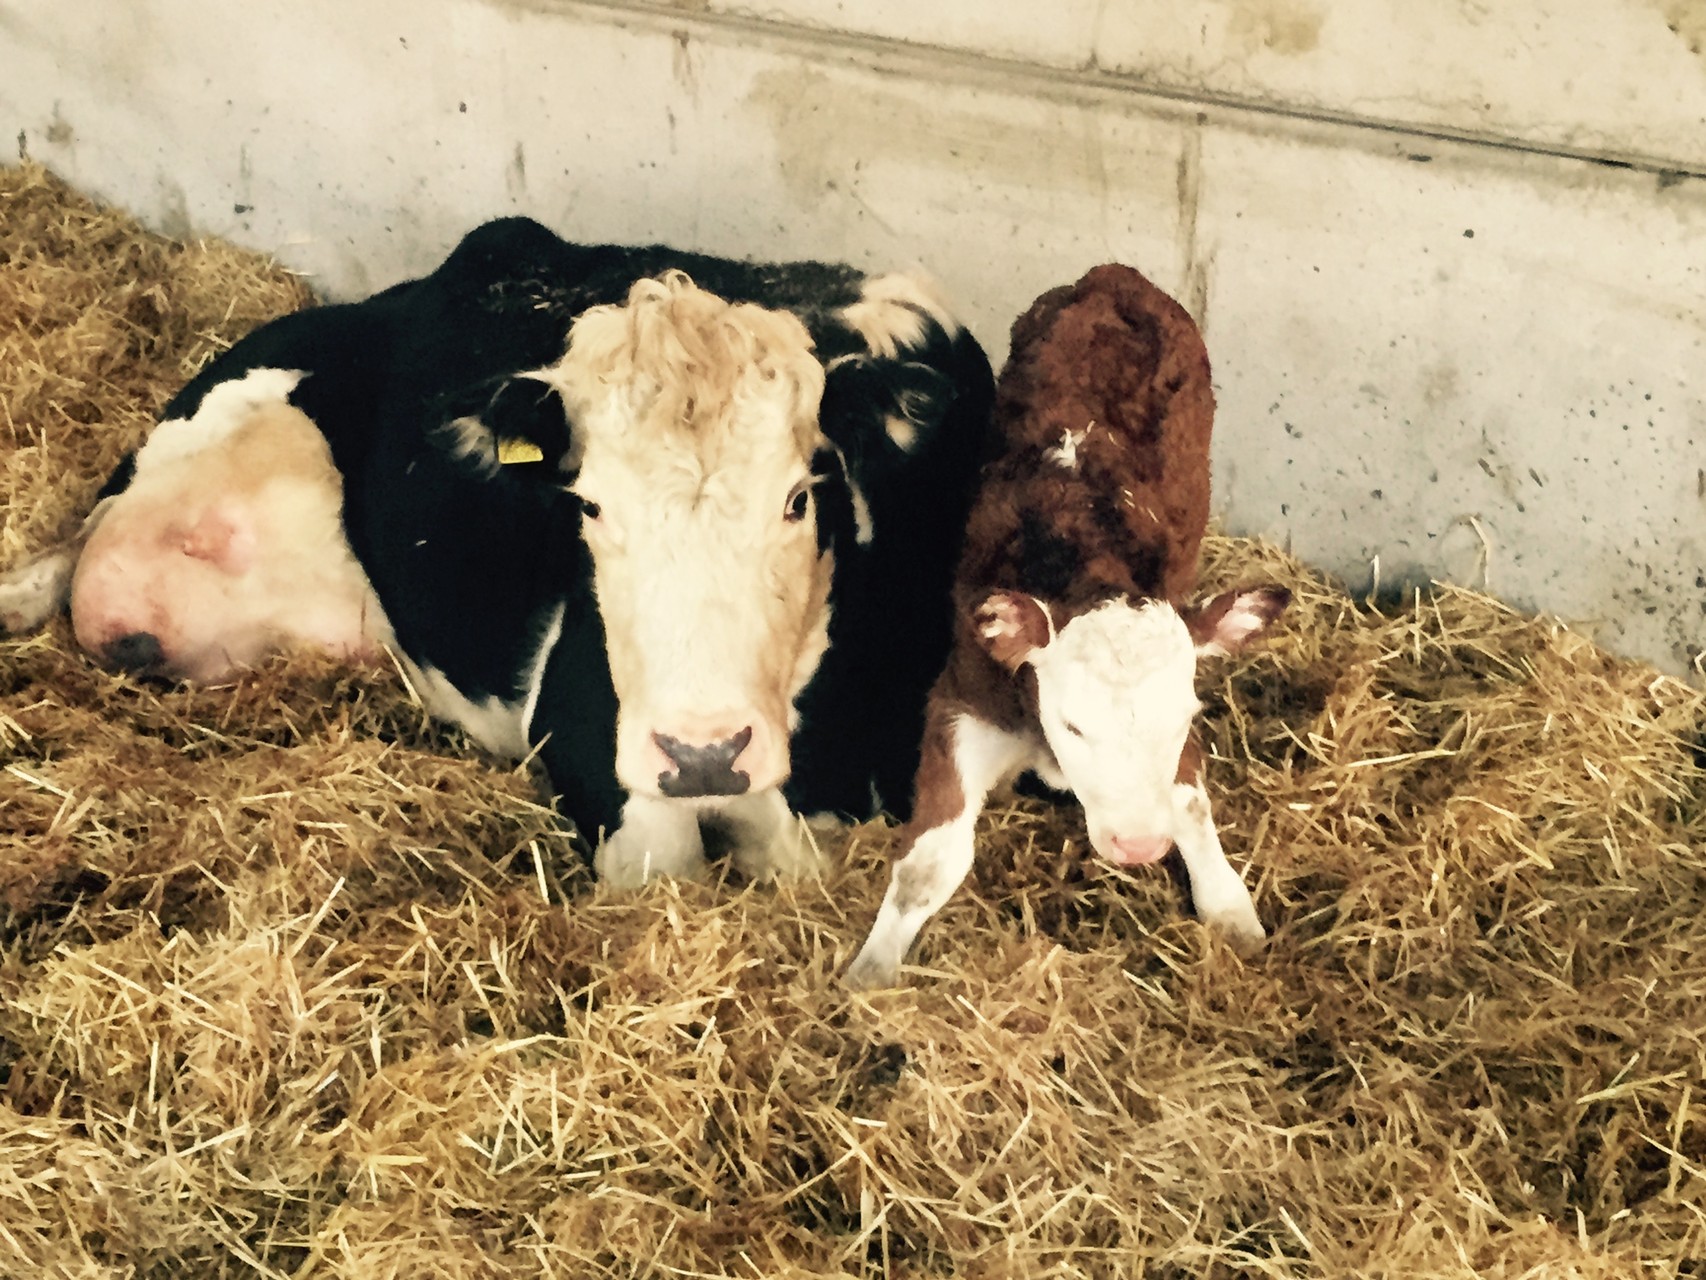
(704, 770)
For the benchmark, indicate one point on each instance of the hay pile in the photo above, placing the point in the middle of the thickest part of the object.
(295, 986)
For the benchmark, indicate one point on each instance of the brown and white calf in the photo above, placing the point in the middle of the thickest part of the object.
(1074, 653)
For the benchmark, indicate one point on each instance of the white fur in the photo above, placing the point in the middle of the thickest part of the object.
(894, 312)
(1123, 678)
(36, 590)
(696, 421)
(658, 837)
(226, 407)
(502, 726)
(495, 724)
(924, 880)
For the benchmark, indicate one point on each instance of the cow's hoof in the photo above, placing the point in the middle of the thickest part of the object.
(32, 593)
(630, 863)
(789, 855)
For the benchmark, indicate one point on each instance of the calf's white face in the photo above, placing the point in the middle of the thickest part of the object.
(696, 422)
(1116, 697)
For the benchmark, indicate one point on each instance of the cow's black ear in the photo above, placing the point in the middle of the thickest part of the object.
(871, 405)
(528, 419)
(512, 421)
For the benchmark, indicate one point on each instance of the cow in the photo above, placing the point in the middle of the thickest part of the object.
(553, 461)
(1074, 648)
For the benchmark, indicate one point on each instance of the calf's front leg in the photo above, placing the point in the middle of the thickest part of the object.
(1221, 897)
(962, 759)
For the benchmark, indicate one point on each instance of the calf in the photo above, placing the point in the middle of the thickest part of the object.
(1074, 652)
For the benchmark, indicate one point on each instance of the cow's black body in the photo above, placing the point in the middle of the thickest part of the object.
(469, 561)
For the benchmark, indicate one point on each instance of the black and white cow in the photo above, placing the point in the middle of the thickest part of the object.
(751, 479)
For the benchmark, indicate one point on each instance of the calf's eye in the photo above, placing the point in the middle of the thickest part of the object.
(1071, 728)
(589, 509)
(799, 503)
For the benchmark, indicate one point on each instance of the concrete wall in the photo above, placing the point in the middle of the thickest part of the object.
(1450, 259)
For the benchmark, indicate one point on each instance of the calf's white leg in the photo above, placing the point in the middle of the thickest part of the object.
(1222, 900)
(963, 759)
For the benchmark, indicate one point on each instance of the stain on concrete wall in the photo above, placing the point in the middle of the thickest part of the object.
(1687, 18)
(825, 128)
(1279, 26)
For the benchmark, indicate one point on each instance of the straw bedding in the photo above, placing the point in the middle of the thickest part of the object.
(296, 984)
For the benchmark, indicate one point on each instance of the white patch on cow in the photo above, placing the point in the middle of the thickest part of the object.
(864, 528)
(926, 877)
(536, 669)
(1066, 452)
(223, 410)
(494, 723)
(697, 421)
(767, 840)
(902, 431)
(1115, 698)
(895, 312)
(502, 726)
(228, 552)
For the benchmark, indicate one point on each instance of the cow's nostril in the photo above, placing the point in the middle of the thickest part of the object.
(138, 651)
(704, 770)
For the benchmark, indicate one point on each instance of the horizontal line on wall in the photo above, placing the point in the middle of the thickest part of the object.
(1080, 83)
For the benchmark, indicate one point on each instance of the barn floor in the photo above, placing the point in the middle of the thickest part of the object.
(293, 984)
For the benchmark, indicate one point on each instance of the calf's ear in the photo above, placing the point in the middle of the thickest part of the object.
(1012, 626)
(1226, 623)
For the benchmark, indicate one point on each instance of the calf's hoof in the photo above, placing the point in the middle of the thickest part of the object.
(1241, 929)
(871, 972)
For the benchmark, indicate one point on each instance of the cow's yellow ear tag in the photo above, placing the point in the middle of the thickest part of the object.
(516, 450)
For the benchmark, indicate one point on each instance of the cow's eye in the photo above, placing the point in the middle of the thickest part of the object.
(1073, 729)
(590, 510)
(799, 503)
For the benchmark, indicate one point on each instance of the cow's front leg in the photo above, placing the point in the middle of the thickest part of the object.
(36, 590)
(962, 759)
(658, 837)
(1222, 900)
(767, 840)
(39, 588)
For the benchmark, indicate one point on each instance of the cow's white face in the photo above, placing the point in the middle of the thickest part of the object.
(695, 428)
(1116, 697)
